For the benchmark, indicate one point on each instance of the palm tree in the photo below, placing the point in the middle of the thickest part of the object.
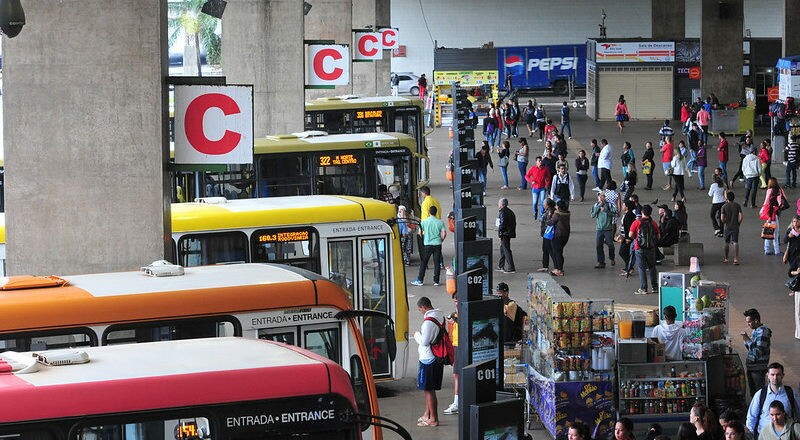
(185, 15)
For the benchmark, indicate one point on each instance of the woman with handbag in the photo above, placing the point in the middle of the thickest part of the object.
(521, 157)
(549, 209)
(678, 167)
(774, 202)
(504, 154)
(561, 230)
(792, 258)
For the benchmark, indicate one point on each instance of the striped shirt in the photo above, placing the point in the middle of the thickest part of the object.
(791, 152)
(665, 131)
(758, 346)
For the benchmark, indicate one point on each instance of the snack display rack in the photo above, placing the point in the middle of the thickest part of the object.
(570, 355)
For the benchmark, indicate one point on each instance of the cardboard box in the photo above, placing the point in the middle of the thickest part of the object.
(632, 351)
(656, 351)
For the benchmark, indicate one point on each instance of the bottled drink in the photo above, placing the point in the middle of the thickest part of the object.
(672, 372)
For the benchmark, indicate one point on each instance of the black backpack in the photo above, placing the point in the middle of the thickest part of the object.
(646, 237)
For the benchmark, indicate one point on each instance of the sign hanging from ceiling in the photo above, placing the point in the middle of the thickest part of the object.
(389, 38)
(367, 46)
(638, 52)
(327, 65)
(213, 124)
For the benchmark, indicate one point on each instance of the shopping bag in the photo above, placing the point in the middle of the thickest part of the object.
(793, 283)
(549, 232)
(768, 231)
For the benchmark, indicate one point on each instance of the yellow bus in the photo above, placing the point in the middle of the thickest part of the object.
(164, 302)
(313, 163)
(350, 240)
(353, 114)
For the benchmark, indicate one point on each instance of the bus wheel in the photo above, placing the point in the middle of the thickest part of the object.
(560, 87)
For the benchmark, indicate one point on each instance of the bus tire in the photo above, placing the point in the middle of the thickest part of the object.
(560, 87)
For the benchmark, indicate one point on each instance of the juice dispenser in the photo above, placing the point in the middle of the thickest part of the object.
(624, 325)
(637, 324)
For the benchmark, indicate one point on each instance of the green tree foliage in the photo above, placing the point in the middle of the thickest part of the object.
(185, 15)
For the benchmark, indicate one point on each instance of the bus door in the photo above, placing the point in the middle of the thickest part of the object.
(393, 169)
(369, 289)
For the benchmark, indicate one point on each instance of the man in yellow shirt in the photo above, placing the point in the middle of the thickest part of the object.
(427, 201)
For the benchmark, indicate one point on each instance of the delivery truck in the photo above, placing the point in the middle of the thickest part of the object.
(543, 67)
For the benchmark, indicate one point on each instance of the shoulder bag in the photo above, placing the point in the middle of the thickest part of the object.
(549, 232)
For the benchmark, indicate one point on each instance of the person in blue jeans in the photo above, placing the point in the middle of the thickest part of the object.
(433, 233)
(522, 162)
(595, 154)
(645, 254)
(565, 120)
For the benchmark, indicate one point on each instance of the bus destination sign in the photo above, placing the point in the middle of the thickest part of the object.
(369, 114)
(283, 237)
(339, 159)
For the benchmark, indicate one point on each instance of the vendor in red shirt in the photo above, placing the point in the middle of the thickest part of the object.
(666, 160)
(723, 155)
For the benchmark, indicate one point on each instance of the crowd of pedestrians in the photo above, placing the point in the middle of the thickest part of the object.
(633, 231)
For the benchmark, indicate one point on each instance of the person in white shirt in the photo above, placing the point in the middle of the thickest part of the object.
(604, 164)
(429, 378)
(670, 333)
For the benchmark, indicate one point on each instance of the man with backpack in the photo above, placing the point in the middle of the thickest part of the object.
(644, 233)
(431, 370)
(758, 414)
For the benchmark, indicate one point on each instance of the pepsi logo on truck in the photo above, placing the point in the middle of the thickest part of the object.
(543, 67)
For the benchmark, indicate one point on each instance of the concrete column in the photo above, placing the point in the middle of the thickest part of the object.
(791, 16)
(669, 19)
(86, 137)
(372, 79)
(721, 29)
(330, 20)
(262, 44)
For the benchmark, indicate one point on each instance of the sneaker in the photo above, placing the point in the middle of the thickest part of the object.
(640, 292)
(652, 291)
(600, 266)
(613, 262)
(452, 409)
(596, 189)
(435, 283)
(509, 271)
(416, 283)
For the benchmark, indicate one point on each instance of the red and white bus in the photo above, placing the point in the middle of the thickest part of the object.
(214, 388)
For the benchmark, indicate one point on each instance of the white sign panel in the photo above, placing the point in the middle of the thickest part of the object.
(367, 46)
(389, 38)
(641, 52)
(213, 124)
(328, 65)
(788, 85)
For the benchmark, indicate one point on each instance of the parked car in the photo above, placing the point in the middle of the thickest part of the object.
(408, 83)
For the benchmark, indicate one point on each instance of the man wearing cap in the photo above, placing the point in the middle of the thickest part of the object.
(514, 316)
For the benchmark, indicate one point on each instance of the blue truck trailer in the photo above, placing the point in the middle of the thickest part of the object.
(543, 67)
